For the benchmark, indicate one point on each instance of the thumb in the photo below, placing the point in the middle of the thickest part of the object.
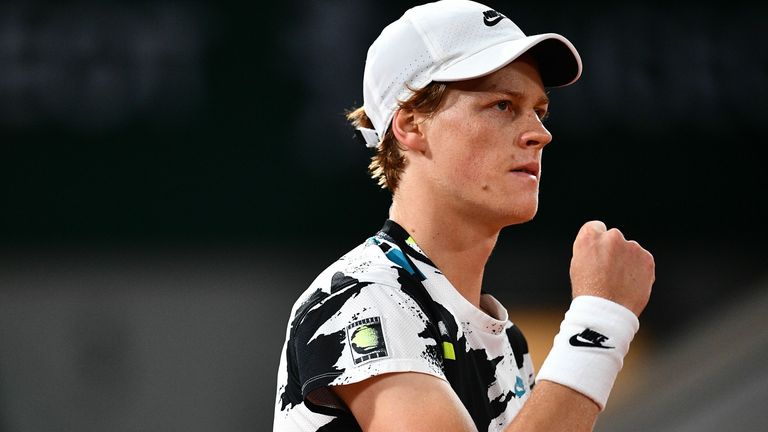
(595, 225)
(588, 233)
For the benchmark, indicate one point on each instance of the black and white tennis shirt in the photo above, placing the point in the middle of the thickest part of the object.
(384, 307)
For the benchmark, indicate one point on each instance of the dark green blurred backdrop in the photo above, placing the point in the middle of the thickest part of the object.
(218, 124)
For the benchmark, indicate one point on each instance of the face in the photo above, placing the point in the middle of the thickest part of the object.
(484, 146)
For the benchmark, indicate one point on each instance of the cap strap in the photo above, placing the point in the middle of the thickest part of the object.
(369, 137)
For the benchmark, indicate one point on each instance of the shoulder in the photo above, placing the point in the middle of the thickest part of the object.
(365, 270)
(364, 284)
(358, 320)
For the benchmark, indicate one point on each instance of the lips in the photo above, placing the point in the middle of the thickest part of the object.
(531, 168)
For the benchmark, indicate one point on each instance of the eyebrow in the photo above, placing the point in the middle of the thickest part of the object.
(518, 95)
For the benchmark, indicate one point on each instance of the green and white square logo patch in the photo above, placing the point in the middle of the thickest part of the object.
(366, 340)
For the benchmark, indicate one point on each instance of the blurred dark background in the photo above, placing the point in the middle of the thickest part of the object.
(173, 174)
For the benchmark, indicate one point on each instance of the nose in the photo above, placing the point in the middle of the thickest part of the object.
(535, 134)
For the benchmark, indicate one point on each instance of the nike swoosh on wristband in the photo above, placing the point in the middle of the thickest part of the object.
(589, 338)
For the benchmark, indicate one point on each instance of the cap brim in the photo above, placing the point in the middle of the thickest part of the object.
(559, 62)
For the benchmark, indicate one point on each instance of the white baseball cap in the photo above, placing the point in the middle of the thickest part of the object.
(452, 40)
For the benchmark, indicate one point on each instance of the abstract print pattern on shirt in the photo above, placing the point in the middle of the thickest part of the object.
(384, 307)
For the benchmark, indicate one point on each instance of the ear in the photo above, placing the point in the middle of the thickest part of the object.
(406, 126)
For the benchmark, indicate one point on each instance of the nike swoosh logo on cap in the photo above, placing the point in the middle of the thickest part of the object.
(492, 22)
(491, 17)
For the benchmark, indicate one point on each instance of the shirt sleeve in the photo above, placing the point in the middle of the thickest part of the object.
(363, 330)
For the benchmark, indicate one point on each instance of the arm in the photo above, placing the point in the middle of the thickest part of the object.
(418, 402)
(553, 407)
(604, 265)
(407, 401)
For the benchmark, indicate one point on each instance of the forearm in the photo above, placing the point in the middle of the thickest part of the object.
(576, 378)
(552, 408)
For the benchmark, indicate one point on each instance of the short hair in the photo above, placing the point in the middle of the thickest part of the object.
(389, 161)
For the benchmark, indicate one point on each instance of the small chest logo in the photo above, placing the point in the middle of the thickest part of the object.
(366, 340)
(491, 17)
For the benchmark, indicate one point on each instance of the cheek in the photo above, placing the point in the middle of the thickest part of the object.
(461, 151)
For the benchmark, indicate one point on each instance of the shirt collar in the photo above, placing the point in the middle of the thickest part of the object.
(398, 235)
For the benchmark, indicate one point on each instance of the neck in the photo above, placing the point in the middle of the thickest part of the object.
(459, 248)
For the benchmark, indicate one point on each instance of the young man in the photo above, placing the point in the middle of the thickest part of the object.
(398, 335)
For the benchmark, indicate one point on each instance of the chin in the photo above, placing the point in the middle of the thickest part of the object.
(521, 219)
(520, 214)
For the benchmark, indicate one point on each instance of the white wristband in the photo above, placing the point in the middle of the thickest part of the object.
(589, 351)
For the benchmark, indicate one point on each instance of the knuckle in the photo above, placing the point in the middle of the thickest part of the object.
(648, 257)
(615, 235)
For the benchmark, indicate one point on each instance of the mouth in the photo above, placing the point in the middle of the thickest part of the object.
(531, 169)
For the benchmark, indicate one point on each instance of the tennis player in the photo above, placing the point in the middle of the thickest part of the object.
(399, 333)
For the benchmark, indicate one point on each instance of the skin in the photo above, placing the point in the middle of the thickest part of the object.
(456, 194)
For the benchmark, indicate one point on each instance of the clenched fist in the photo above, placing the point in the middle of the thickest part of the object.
(605, 264)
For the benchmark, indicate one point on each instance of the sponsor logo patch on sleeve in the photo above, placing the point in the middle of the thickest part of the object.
(366, 340)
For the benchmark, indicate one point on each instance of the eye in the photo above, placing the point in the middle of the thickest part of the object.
(543, 114)
(502, 105)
